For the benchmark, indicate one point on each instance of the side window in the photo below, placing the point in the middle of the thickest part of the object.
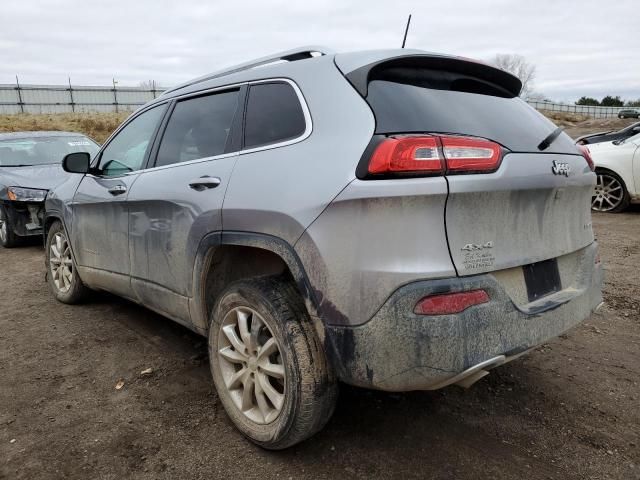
(199, 127)
(274, 115)
(127, 151)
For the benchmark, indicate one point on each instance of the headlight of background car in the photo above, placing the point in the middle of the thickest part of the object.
(26, 194)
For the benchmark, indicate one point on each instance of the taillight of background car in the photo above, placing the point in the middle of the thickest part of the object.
(587, 156)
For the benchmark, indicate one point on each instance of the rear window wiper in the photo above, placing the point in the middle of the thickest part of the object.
(19, 165)
(544, 144)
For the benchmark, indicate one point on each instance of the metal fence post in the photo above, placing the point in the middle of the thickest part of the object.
(72, 103)
(20, 102)
(115, 95)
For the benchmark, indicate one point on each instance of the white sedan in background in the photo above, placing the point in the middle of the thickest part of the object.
(618, 169)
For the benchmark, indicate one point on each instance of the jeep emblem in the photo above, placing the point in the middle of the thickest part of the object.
(560, 168)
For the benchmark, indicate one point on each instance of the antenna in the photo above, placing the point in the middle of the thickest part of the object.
(406, 30)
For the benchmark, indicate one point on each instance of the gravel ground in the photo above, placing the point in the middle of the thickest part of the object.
(569, 410)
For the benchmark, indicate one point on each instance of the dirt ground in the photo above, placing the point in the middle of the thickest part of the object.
(569, 410)
(577, 125)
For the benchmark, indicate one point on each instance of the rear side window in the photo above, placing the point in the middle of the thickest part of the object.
(199, 127)
(274, 115)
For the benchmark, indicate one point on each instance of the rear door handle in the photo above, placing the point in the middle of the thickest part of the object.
(117, 190)
(205, 182)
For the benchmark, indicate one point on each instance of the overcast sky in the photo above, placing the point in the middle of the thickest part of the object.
(579, 47)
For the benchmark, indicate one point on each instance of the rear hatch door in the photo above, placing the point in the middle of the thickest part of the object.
(535, 206)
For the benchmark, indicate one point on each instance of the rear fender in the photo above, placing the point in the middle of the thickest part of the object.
(206, 251)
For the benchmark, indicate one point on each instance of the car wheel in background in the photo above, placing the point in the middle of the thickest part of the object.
(268, 365)
(62, 275)
(610, 194)
(8, 238)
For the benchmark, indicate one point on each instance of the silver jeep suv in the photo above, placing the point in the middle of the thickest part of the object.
(396, 220)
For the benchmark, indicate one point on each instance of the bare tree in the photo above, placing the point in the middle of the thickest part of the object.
(518, 66)
(148, 85)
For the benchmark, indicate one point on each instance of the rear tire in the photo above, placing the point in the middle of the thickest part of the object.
(288, 393)
(8, 239)
(611, 195)
(62, 274)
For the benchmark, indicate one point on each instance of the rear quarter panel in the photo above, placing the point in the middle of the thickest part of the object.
(375, 237)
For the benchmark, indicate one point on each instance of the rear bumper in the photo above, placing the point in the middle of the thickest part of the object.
(25, 218)
(398, 350)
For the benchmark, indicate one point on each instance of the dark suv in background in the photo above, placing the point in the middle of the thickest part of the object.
(29, 168)
(396, 220)
(629, 113)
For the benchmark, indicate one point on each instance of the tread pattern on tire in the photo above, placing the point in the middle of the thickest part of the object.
(317, 387)
(12, 239)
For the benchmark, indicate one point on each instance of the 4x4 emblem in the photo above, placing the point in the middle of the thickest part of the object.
(560, 168)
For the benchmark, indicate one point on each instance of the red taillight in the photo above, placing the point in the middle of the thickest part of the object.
(470, 154)
(587, 156)
(435, 155)
(409, 154)
(448, 303)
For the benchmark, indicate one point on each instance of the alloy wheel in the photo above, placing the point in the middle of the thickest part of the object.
(608, 195)
(60, 263)
(251, 365)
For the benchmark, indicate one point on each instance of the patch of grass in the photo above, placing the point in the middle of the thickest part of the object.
(564, 118)
(96, 125)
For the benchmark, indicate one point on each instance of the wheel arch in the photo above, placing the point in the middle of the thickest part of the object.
(225, 257)
(611, 170)
(624, 202)
(49, 219)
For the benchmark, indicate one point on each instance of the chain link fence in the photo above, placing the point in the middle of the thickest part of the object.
(17, 98)
(68, 99)
(587, 110)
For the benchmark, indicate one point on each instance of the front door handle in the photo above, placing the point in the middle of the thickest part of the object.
(205, 182)
(117, 190)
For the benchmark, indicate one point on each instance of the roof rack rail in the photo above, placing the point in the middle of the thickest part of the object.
(287, 56)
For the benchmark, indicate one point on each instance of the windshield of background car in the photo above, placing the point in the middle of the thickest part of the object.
(42, 150)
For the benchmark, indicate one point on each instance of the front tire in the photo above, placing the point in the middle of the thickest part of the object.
(8, 239)
(62, 274)
(610, 194)
(268, 365)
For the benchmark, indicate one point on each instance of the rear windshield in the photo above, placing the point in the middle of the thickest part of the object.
(417, 103)
(42, 150)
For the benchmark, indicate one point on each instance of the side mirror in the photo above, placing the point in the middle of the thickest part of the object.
(78, 162)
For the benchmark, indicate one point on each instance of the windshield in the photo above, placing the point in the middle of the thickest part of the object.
(42, 150)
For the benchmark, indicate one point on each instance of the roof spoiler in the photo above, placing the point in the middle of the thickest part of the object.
(509, 84)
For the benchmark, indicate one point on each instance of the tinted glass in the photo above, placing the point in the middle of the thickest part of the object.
(274, 114)
(127, 150)
(406, 106)
(199, 127)
(42, 150)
